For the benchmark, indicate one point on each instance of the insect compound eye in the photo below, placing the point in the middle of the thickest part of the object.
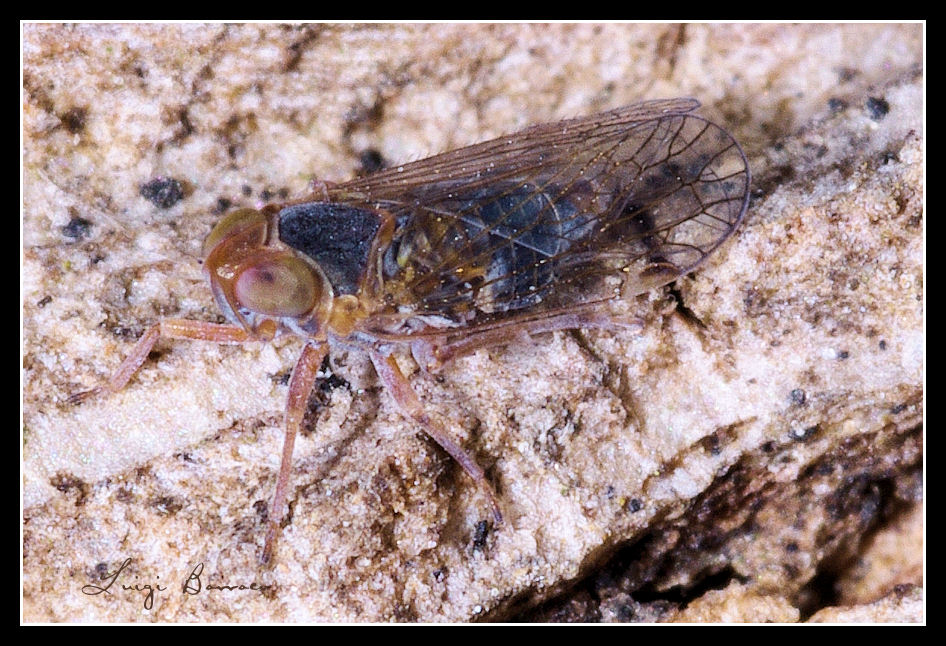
(278, 286)
(230, 225)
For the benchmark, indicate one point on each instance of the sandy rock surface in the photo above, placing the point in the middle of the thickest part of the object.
(751, 452)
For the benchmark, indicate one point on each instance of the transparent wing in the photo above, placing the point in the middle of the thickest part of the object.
(557, 216)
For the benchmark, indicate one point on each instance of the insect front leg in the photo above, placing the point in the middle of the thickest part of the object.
(410, 406)
(300, 386)
(168, 329)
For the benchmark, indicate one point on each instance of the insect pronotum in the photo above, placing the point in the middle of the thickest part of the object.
(534, 231)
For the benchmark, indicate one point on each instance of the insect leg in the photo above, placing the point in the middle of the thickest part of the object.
(169, 329)
(432, 355)
(408, 403)
(300, 386)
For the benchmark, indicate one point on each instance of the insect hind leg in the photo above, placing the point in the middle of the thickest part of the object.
(433, 353)
(406, 399)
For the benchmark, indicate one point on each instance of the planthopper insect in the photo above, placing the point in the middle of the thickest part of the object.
(535, 231)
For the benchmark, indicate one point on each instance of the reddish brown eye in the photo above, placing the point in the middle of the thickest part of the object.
(232, 223)
(280, 286)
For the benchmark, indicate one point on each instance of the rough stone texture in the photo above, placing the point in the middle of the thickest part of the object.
(888, 560)
(904, 604)
(753, 453)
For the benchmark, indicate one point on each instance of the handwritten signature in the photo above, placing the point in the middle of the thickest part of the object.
(192, 585)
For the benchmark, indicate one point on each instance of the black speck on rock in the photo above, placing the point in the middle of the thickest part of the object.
(163, 192)
(877, 108)
(77, 228)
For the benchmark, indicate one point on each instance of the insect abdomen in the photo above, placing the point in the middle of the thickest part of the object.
(498, 252)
